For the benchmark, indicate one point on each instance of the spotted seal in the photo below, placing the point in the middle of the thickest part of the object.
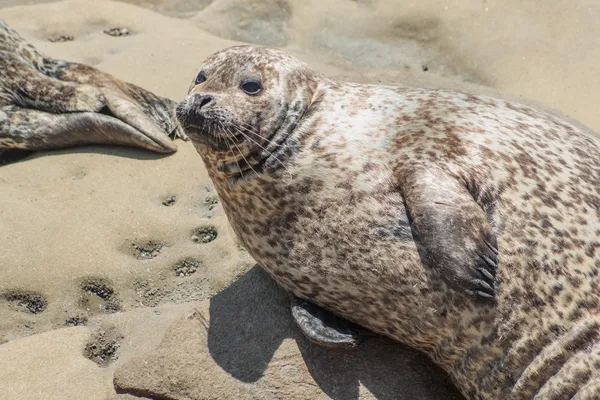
(49, 104)
(462, 225)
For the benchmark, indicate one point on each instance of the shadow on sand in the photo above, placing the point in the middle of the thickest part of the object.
(12, 156)
(250, 319)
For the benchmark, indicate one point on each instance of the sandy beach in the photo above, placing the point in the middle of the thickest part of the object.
(119, 274)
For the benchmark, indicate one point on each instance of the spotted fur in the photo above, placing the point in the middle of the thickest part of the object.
(49, 104)
(320, 186)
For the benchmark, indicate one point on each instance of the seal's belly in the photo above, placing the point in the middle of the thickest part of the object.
(358, 258)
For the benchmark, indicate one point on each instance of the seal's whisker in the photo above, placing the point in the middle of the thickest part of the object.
(236, 160)
(210, 133)
(227, 142)
(231, 148)
(247, 126)
(259, 145)
(254, 132)
(242, 154)
(248, 130)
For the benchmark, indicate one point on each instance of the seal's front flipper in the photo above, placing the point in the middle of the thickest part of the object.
(452, 231)
(323, 327)
(27, 129)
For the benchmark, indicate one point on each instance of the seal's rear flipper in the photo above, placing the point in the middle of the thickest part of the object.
(51, 104)
(27, 87)
(151, 114)
(323, 327)
(451, 230)
(28, 129)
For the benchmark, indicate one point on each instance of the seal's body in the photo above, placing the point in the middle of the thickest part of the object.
(461, 225)
(50, 104)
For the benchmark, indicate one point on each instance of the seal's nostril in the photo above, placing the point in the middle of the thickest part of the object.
(205, 101)
(202, 100)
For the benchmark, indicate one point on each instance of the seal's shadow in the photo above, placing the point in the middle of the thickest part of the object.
(10, 156)
(250, 319)
(13, 156)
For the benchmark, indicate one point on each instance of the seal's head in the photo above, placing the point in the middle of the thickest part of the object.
(245, 106)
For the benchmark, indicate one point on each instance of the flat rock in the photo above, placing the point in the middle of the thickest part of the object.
(51, 366)
(243, 344)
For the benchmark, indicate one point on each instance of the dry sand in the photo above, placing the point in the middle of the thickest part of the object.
(86, 239)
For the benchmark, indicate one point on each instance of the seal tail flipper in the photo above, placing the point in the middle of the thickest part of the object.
(27, 87)
(151, 114)
(28, 129)
(30, 81)
(452, 231)
(153, 118)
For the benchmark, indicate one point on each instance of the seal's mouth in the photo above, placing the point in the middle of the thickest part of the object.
(206, 130)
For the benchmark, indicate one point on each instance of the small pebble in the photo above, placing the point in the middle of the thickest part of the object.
(61, 38)
(117, 32)
(169, 201)
(211, 201)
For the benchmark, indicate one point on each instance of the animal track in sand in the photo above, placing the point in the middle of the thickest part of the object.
(204, 234)
(98, 295)
(149, 292)
(211, 200)
(103, 346)
(77, 320)
(25, 300)
(169, 201)
(174, 289)
(187, 267)
(147, 250)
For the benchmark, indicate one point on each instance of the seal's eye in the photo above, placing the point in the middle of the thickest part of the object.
(201, 77)
(251, 87)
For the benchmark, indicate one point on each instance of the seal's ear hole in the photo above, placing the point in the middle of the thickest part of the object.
(251, 87)
(201, 77)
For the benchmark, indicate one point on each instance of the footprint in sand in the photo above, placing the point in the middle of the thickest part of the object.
(169, 201)
(187, 267)
(211, 199)
(98, 295)
(103, 345)
(147, 250)
(77, 320)
(25, 300)
(204, 234)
